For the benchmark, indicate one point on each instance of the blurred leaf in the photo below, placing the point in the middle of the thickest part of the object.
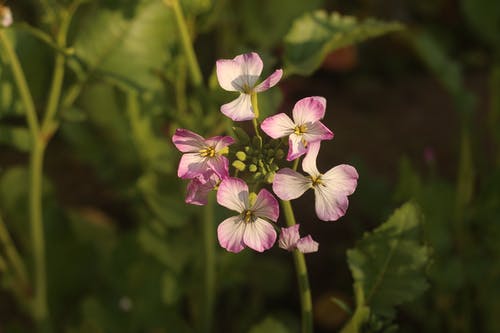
(269, 325)
(18, 137)
(169, 289)
(484, 18)
(195, 7)
(127, 49)
(388, 263)
(316, 34)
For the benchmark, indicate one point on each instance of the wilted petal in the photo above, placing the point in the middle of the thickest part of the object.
(228, 72)
(307, 245)
(199, 188)
(289, 184)
(309, 110)
(296, 147)
(270, 82)
(266, 206)
(220, 165)
(330, 204)
(342, 178)
(240, 109)
(230, 234)
(278, 126)
(309, 162)
(187, 141)
(289, 237)
(317, 132)
(259, 235)
(192, 165)
(233, 194)
(251, 67)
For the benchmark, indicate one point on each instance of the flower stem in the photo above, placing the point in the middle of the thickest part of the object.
(255, 107)
(302, 277)
(187, 45)
(209, 244)
(12, 255)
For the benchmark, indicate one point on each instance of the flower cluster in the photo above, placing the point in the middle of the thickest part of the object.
(258, 161)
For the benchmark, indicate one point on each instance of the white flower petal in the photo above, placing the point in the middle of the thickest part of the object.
(259, 235)
(289, 184)
(228, 74)
(230, 234)
(233, 194)
(309, 162)
(278, 126)
(240, 109)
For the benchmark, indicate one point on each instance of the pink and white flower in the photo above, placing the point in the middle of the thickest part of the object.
(241, 74)
(251, 227)
(331, 188)
(200, 186)
(305, 128)
(290, 240)
(201, 154)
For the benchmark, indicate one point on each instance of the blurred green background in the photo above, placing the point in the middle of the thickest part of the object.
(417, 111)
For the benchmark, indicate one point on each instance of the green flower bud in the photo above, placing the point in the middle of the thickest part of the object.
(252, 168)
(239, 165)
(270, 152)
(257, 175)
(270, 177)
(241, 155)
(248, 149)
(280, 154)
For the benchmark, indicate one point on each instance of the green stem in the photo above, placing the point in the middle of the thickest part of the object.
(296, 164)
(255, 107)
(302, 277)
(13, 255)
(187, 45)
(209, 244)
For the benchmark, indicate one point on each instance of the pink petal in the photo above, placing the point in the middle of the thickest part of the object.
(309, 110)
(266, 206)
(270, 82)
(219, 142)
(240, 109)
(251, 67)
(233, 194)
(228, 73)
(219, 164)
(259, 235)
(296, 147)
(187, 141)
(289, 184)
(230, 233)
(278, 126)
(309, 162)
(307, 245)
(317, 132)
(342, 178)
(192, 165)
(330, 204)
(289, 237)
(199, 188)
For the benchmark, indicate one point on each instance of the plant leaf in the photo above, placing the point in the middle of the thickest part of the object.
(316, 34)
(269, 325)
(388, 263)
(18, 137)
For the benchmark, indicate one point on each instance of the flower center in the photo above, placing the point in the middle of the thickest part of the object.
(248, 216)
(300, 129)
(209, 151)
(316, 180)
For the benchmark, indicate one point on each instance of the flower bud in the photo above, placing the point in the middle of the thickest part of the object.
(239, 165)
(270, 177)
(252, 168)
(270, 152)
(241, 155)
(280, 154)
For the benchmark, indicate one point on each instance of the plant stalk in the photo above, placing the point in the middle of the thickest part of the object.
(209, 245)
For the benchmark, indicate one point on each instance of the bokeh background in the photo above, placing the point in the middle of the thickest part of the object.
(417, 111)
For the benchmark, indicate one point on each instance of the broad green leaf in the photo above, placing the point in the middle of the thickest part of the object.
(316, 34)
(269, 325)
(388, 263)
(17, 137)
(130, 49)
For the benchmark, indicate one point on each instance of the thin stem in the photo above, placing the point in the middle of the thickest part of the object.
(187, 45)
(255, 107)
(12, 254)
(296, 164)
(301, 271)
(209, 245)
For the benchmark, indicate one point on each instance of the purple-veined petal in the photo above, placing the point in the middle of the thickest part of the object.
(317, 131)
(289, 184)
(270, 81)
(228, 74)
(251, 68)
(199, 188)
(240, 109)
(187, 141)
(220, 165)
(330, 205)
(296, 147)
(278, 126)
(233, 194)
(309, 162)
(309, 110)
(342, 178)
(259, 235)
(192, 165)
(219, 142)
(230, 234)
(307, 245)
(289, 237)
(266, 206)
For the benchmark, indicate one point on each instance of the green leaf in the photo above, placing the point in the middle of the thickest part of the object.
(316, 34)
(269, 325)
(484, 17)
(18, 137)
(128, 49)
(388, 263)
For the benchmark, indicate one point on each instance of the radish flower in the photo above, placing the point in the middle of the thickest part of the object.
(331, 188)
(305, 127)
(290, 240)
(200, 186)
(251, 227)
(201, 154)
(241, 74)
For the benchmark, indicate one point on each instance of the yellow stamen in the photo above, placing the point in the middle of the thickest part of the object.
(248, 216)
(316, 180)
(300, 129)
(209, 151)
